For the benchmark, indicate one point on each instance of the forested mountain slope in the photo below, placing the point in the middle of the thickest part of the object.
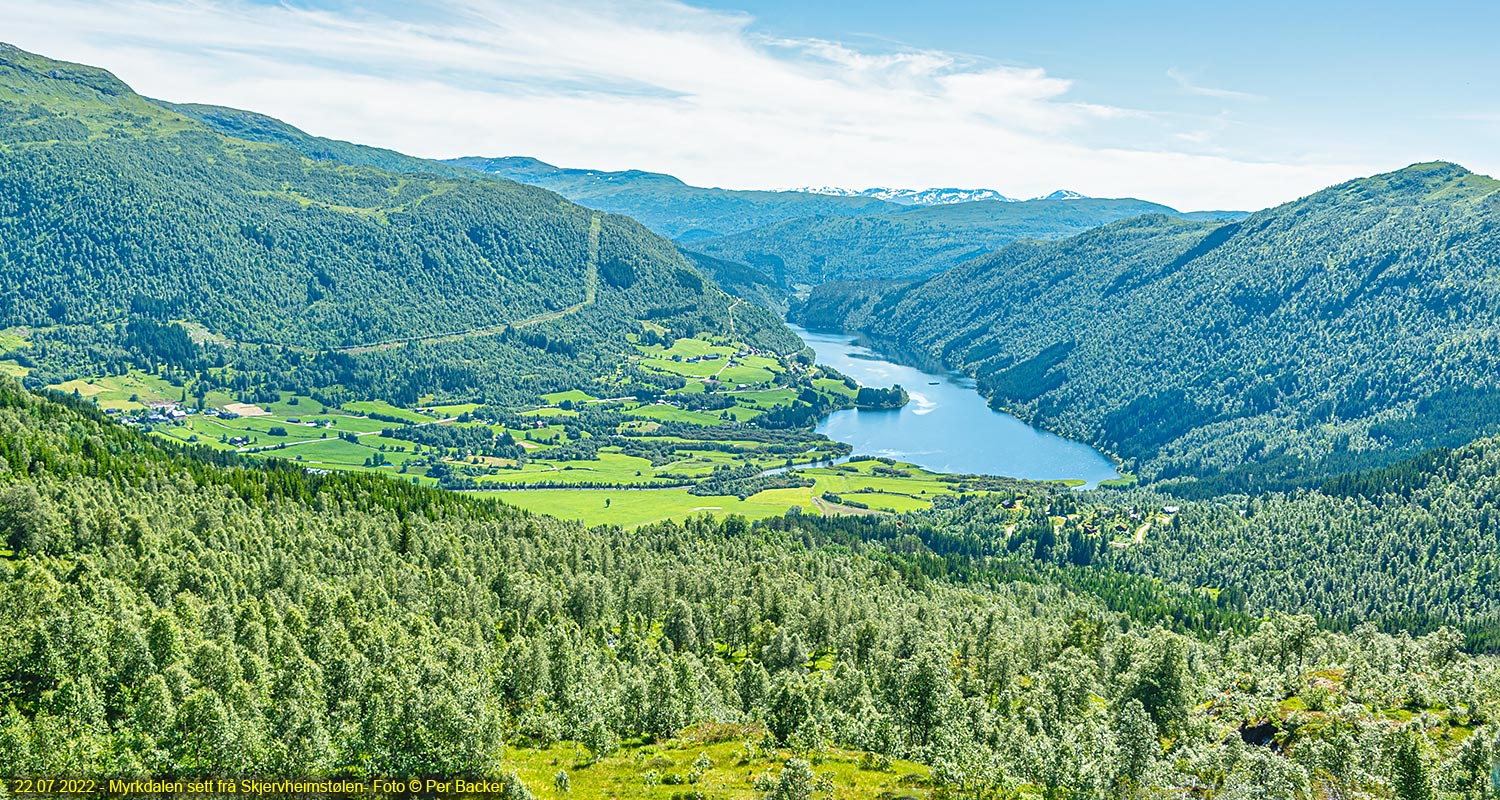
(255, 127)
(1411, 546)
(669, 206)
(115, 207)
(738, 279)
(800, 238)
(238, 621)
(742, 280)
(913, 243)
(1342, 330)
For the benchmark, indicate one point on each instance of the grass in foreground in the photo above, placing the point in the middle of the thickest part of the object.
(715, 769)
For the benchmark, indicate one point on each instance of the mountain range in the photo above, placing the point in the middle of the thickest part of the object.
(1345, 329)
(910, 197)
(920, 241)
(667, 205)
(117, 208)
(800, 238)
(931, 197)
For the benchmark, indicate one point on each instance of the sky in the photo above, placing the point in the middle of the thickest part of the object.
(1197, 105)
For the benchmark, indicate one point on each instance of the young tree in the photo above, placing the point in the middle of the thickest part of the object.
(925, 688)
(662, 712)
(795, 782)
(1135, 745)
(753, 684)
(1410, 779)
(27, 523)
(1162, 683)
(679, 628)
(789, 709)
(1469, 771)
(513, 788)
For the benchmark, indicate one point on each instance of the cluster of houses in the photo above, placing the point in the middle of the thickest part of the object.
(156, 413)
(1103, 516)
(160, 412)
(742, 353)
(695, 359)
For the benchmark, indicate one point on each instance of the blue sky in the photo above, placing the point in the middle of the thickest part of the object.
(1199, 105)
(1377, 80)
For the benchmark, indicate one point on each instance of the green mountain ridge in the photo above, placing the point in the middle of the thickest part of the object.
(798, 238)
(116, 208)
(1341, 330)
(256, 127)
(667, 205)
(738, 279)
(913, 243)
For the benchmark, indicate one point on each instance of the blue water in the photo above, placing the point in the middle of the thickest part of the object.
(947, 426)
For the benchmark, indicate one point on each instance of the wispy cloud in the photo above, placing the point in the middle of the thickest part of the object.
(649, 84)
(1490, 119)
(1187, 85)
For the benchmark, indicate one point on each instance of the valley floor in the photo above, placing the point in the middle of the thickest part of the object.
(591, 454)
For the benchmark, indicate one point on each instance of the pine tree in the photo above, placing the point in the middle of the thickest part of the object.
(1410, 779)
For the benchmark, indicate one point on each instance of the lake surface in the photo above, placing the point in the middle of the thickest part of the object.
(947, 426)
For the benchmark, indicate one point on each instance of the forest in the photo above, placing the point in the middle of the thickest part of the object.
(1409, 547)
(913, 243)
(1349, 329)
(241, 620)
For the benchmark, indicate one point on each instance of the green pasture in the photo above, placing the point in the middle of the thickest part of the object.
(611, 467)
(632, 507)
(664, 413)
(116, 391)
(687, 348)
(382, 407)
(766, 399)
(575, 395)
(686, 369)
(451, 410)
(746, 374)
(12, 340)
(550, 412)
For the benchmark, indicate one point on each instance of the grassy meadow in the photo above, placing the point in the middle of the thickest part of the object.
(699, 761)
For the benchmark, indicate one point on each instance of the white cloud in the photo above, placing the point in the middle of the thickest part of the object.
(651, 85)
(1186, 84)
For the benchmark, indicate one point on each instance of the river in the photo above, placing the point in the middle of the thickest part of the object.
(947, 426)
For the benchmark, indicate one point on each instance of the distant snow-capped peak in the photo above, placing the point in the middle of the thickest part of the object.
(1063, 194)
(911, 197)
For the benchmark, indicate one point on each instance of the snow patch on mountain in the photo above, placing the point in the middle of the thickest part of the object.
(1063, 194)
(911, 197)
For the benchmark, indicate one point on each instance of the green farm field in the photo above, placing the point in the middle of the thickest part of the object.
(633, 507)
